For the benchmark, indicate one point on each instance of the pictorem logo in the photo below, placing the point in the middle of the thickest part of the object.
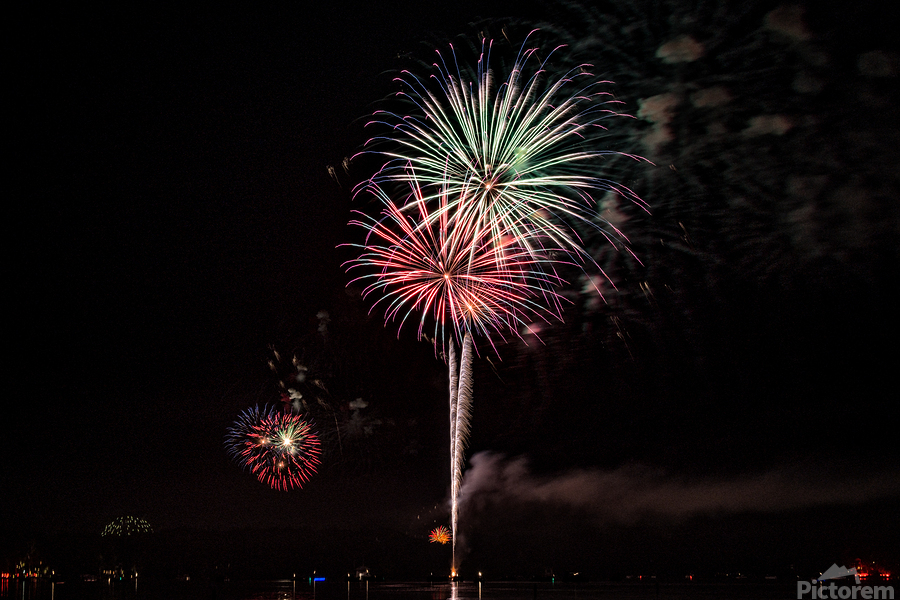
(841, 583)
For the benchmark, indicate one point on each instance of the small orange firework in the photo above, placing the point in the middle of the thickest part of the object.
(440, 535)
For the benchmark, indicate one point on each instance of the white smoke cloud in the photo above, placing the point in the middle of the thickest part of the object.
(630, 494)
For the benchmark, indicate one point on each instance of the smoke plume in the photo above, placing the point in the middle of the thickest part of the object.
(630, 494)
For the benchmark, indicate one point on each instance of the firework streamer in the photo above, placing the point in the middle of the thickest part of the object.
(450, 273)
(483, 192)
(461, 388)
(454, 405)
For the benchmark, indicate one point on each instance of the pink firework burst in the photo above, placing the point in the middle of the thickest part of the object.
(453, 270)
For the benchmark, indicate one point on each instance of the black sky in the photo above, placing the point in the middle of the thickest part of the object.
(175, 219)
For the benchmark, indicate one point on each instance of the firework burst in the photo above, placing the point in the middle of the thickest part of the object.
(468, 279)
(126, 526)
(279, 448)
(520, 158)
(483, 191)
(439, 535)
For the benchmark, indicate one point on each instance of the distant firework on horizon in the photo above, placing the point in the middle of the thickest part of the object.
(126, 526)
(439, 535)
(279, 448)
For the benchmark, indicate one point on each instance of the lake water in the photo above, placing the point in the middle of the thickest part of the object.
(354, 590)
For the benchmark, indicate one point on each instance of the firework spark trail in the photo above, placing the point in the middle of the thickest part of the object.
(279, 448)
(501, 178)
(454, 480)
(451, 273)
(460, 422)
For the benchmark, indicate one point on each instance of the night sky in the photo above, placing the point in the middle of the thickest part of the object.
(175, 222)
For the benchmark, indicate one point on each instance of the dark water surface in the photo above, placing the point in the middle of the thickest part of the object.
(340, 590)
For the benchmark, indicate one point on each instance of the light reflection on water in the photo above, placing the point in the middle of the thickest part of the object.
(364, 590)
